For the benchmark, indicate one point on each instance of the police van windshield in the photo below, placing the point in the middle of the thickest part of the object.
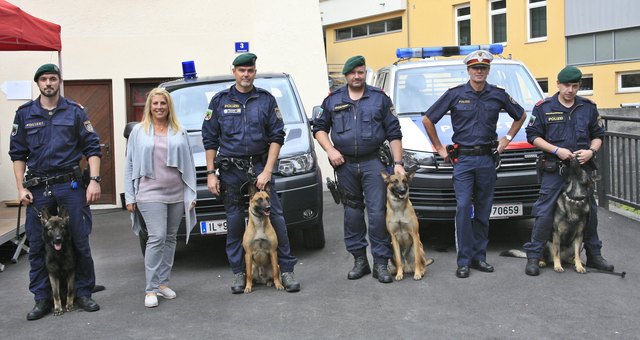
(418, 88)
(191, 102)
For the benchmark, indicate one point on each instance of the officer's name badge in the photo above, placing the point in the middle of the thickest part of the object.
(464, 101)
(341, 107)
(34, 124)
(225, 111)
(554, 117)
(88, 126)
(231, 106)
(208, 115)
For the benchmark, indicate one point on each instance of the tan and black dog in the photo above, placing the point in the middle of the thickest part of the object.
(260, 243)
(59, 258)
(403, 227)
(570, 219)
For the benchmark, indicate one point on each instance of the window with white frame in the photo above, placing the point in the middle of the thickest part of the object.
(372, 28)
(586, 85)
(463, 24)
(537, 17)
(629, 81)
(544, 85)
(498, 19)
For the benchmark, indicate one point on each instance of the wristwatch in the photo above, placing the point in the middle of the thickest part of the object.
(508, 137)
(96, 178)
(398, 163)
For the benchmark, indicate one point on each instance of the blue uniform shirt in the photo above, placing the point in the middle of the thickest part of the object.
(240, 129)
(474, 115)
(52, 141)
(358, 127)
(571, 128)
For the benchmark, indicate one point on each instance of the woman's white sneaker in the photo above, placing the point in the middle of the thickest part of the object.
(166, 292)
(150, 300)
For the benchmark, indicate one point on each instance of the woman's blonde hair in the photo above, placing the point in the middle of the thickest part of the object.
(147, 119)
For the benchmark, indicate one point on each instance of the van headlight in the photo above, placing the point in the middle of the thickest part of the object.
(296, 165)
(421, 161)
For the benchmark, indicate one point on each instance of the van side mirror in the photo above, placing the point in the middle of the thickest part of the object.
(128, 128)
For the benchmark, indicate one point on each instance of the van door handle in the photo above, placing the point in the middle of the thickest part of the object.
(107, 149)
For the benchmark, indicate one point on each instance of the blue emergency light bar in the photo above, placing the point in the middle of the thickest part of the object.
(189, 69)
(446, 51)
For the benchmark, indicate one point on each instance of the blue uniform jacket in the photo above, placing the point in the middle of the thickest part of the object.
(359, 127)
(474, 115)
(570, 128)
(52, 141)
(239, 129)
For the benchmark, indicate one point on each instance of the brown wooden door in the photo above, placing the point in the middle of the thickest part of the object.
(96, 97)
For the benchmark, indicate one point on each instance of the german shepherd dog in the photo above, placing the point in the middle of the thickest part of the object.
(59, 257)
(260, 243)
(570, 219)
(403, 227)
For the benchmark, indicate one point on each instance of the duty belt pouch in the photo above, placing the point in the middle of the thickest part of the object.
(333, 188)
(550, 164)
(385, 155)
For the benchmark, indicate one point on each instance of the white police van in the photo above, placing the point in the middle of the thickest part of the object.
(415, 85)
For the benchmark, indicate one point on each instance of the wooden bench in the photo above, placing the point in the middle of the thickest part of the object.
(8, 216)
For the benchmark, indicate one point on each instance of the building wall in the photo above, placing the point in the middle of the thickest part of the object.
(122, 39)
(432, 23)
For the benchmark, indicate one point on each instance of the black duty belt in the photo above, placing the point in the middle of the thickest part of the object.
(477, 150)
(224, 162)
(35, 181)
(363, 158)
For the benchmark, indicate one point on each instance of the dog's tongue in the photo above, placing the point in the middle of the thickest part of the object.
(57, 246)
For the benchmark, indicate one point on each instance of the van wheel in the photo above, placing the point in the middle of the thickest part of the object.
(314, 236)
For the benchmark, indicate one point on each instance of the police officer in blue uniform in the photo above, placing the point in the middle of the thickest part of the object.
(564, 126)
(360, 118)
(242, 134)
(49, 137)
(474, 108)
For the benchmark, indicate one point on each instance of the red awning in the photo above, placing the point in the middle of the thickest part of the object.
(20, 31)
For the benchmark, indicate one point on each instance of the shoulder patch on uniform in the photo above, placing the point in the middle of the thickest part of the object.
(14, 130)
(532, 120)
(208, 114)
(278, 113)
(88, 126)
(319, 114)
(600, 121)
(392, 109)
(513, 101)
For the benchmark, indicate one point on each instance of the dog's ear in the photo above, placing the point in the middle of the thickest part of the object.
(63, 212)
(252, 189)
(267, 189)
(409, 174)
(385, 176)
(44, 215)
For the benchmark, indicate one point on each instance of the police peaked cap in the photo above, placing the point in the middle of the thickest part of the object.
(352, 63)
(478, 58)
(245, 59)
(46, 68)
(569, 74)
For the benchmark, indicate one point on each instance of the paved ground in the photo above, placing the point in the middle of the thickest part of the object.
(504, 304)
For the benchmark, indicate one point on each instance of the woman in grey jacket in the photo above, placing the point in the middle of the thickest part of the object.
(160, 181)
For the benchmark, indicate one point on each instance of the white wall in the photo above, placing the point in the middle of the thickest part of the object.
(122, 39)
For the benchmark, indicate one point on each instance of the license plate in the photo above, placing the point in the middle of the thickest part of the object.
(215, 227)
(506, 210)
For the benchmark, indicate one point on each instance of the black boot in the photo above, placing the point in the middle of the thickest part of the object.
(381, 272)
(239, 282)
(41, 308)
(360, 267)
(599, 263)
(532, 268)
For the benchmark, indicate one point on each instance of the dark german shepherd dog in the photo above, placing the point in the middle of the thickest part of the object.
(59, 257)
(570, 219)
